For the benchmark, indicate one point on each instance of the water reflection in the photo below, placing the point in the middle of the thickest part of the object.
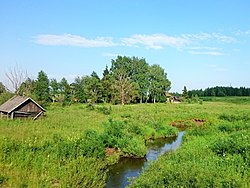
(128, 167)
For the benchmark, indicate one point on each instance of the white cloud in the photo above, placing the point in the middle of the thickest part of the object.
(107, 54)
(212, 53)
(155, 41)
(223, 38)
(73, 40)
(204, 48)
(218, 37)
(242, 33)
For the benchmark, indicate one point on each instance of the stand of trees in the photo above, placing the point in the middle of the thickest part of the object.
(219, 91)
(128, 80)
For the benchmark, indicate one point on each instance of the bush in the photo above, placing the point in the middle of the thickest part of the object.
(235, 143)
(91, 144)
(105, 110)
(235, 117)
(229, 127)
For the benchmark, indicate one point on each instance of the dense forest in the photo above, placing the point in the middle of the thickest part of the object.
(128, 80)
(220, 91)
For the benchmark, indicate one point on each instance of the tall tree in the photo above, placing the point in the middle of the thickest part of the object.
(185, 93)
(140, 75)
(16, 76)
(65, 91)
(93, 88)
(159, 84)
(41, 90)
(78, 90)
(54, 90)
(27, 87)
(125, 90)
(107, 82)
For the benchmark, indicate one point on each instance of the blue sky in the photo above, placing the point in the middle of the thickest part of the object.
(199, 43)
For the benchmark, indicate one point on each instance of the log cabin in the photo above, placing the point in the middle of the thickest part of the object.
(21, 107)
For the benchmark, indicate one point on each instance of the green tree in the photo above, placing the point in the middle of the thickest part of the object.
(158, 82)
(65, 91)
(107, 82)
(41, 89)
(78, 90)
(93, 88)
(212, 92)
(27, 87)
(125, 90)
(185, 93)
(2, 88)
(54, 90)
(140, 75)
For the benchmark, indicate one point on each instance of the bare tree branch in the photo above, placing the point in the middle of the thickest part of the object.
(16, 76)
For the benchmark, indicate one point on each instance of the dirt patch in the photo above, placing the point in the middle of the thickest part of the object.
(188, 123)
(112, 151)
(55, 183)
(199, 121)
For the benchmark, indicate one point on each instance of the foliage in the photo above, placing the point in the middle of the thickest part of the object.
(220, 91)
(67, 147)
(117, 135)
(41, 90)
(159, 84)
(185, 93)
(212, 155)
(92, 88)
(78, 90)
(2, 88)
(54, 90)
(129, 80)
(125, 90)
(27, 88)
(65, 91)
(5, 96)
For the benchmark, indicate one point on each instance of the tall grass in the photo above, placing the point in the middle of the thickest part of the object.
(214, 155)
(66, 148)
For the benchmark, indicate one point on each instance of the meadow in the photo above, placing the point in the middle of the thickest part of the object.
(68, 147)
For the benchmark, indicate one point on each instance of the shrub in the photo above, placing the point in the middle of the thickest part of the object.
(235, 143)
(91, 144)
(234, 117)
(105, 110)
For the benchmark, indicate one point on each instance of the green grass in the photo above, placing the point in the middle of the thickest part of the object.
(66, 148)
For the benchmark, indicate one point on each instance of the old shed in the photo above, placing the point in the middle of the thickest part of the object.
(20, 107)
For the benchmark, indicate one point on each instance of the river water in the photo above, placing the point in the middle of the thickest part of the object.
(128, 168)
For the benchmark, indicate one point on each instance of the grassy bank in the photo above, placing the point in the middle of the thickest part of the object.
(213, 155)
(67, 148)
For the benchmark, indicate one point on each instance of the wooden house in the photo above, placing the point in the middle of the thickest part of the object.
(172, 99)
(21, 107)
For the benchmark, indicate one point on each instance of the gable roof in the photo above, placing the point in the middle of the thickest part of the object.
(15, 102)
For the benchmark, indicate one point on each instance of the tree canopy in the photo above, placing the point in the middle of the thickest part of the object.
(128, 80)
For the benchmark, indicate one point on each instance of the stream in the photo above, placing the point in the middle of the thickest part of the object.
(127, 168)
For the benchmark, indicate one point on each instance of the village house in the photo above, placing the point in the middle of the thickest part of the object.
(21, 107)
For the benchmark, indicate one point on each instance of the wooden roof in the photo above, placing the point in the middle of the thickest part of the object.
(15, 102)
(168, 94)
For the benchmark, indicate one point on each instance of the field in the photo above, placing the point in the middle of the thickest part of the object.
(67, 147)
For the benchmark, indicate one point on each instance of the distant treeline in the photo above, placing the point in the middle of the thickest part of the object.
(220, 91)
